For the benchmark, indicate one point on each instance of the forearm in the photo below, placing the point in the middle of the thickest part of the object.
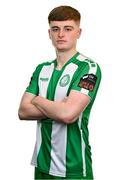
(30, 112)
(58, 111)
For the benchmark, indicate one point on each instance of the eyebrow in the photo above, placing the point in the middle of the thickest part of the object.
(68, 26)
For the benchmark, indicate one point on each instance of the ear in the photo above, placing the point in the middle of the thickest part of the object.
(79, 32)
(49, 33)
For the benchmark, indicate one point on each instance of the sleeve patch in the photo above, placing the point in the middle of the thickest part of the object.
(88, 81)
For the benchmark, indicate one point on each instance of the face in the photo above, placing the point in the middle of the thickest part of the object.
(64, 34)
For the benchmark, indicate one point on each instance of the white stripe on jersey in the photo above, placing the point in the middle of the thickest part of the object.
(59, 130)
(46, 73)
(58, 151)
(37, 145)
(81, 57)
(82, 145)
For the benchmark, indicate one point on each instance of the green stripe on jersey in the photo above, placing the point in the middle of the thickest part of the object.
(74, 150)
(43, 157)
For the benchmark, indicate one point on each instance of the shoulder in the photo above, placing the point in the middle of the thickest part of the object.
(41, 65)
(86, 62)
(46, 63)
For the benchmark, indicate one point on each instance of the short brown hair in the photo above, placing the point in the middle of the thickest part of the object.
(63, 13)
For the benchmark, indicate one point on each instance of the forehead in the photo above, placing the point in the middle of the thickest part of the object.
(64, 23)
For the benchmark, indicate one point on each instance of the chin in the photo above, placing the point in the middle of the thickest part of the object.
(62, 48)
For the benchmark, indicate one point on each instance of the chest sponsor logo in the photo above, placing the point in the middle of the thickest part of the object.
(64, 80)
(44, 79)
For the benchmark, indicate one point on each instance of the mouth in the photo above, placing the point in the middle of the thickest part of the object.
(61, 41)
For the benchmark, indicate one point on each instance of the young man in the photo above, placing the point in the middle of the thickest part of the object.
(60, 97)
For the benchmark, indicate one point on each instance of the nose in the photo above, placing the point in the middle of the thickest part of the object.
(61, 33)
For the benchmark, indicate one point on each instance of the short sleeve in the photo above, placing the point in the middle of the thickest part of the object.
(88, 80)
(33, 85)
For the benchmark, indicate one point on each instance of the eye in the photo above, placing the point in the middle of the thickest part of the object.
(68, 29)
(55, 29)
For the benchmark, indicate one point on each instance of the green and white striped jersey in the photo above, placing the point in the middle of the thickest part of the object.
(63, 149)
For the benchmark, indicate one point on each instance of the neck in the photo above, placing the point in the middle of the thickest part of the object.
(63, 57)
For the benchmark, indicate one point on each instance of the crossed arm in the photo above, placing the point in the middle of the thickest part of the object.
(36, 107)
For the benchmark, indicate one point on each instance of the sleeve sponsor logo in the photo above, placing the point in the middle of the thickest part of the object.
(88, 81)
